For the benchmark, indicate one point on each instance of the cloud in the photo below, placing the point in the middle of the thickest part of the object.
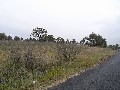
(65, 18)
(111, 31)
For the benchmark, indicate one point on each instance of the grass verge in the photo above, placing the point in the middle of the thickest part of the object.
(88, 58)
(45, 64)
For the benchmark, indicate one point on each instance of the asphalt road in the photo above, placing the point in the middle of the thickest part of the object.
(103, 77)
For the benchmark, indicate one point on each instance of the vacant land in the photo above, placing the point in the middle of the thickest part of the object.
(35, 65)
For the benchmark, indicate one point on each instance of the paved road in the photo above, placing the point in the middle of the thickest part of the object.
(103, 77)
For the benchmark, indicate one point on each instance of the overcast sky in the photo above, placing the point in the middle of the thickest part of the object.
(66, 18)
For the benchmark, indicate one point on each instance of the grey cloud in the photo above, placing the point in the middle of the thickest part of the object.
(68, 19)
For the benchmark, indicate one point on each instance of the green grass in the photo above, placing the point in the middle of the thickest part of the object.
(48, 63)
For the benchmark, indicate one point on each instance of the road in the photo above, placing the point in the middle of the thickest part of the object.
(103, 77)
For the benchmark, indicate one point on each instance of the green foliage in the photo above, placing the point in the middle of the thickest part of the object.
(39, 33)
(83, 41)
(13, 75)
(95, 40)
(73, 41)
(67, 52)
(60, 40)
(9, 38)
(16, 38)
(50, 38)
(3, 36)
(114, 47)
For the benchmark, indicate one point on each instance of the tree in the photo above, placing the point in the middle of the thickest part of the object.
(67, 42)
(96, 40)
(3, 36)
(110, 46)
(33, 39)
(50, 38)
(21, 38)
(73, 41)
(16, 38)
(60, 40)
(39, 33)
(82, 41)
(116, 47)
(9, 38)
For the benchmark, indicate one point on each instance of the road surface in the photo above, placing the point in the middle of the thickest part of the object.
(103, 77)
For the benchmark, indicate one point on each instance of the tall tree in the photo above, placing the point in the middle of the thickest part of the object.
(96, 40)
(39, 33)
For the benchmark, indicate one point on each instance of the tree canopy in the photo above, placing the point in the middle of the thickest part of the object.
(39, 33)
(3, 36)
(94, 40)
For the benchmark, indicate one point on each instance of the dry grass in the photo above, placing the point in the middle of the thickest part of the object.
(46, 63)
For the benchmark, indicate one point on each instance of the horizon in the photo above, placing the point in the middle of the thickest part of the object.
(31, 36)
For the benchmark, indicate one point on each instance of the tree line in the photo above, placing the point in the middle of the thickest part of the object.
(41, 35)
(114, 47)
(3, 36)
(38, 34)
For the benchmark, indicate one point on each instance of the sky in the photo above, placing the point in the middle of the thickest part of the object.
(70, 19)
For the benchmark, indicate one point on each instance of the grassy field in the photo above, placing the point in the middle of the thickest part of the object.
(23, 63)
